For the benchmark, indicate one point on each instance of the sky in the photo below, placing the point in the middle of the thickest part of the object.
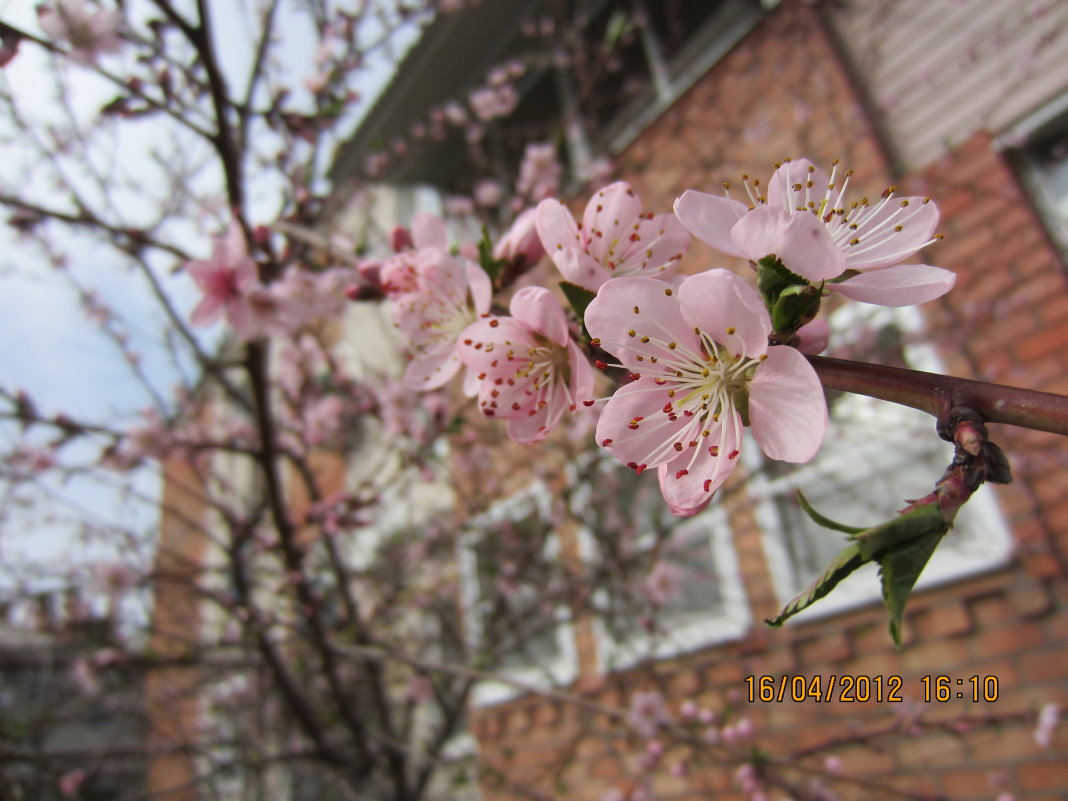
(50, 349)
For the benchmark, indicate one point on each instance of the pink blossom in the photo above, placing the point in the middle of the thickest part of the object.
(84, 676)
(664, 583)
(806, 220)
(148, 438)
(398, 273)
(449, 295)
(322, 419)
(91, 31)
(529, 369)
(539, 172)
(705, 372)
(521, 240)
(487, 193)
(304, 296)
(31, 460)
(813, 337)
(1047, 722)
(489, 102)
(647, 712)
(71, 782)
(231, 287)
(615, 238)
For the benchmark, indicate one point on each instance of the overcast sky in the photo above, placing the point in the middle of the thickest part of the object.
(49, 348)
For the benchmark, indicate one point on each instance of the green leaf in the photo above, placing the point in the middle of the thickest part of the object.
(825, 522)
(491, 266)
(579, 297)
(796, 304)
(902, 547)
(773, 278)
(845, 563)
(923, 521)
(899, 569)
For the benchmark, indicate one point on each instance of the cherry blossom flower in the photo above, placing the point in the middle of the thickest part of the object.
(1047, 722)
(449, 295)
(705, 372)
(91, 31)
(232, 288)
(225, 278)
(663, 585)
(71, 782)
(806, 220)
(539, 172)
(529, 369)
(521, 240)
(398, 273)
(647, 712)
(615, 238)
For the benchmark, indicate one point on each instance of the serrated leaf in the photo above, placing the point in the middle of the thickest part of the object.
(899, 568)
(579, 297)
(922, 521)
(845, 563)
(902, 546)
(825, 522)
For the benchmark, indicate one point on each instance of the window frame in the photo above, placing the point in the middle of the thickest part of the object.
(683, 635)
(558, 671)
(990, 550)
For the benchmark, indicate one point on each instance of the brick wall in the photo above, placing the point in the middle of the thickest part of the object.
(782, 93)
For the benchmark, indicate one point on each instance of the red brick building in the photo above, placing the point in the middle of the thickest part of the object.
(961, 101)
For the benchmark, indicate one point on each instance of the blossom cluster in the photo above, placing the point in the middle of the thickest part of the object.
(698, 358)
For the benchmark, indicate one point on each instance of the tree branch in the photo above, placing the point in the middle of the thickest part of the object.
(937, 394)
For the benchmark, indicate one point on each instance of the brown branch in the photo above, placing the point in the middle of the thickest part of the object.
(938, 394)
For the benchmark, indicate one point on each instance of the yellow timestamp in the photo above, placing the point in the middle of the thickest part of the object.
(862, 688)
(845, 687)
(969, 688)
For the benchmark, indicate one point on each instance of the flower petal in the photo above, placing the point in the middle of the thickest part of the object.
(651, 245)
(580, 268)
(891, 232)
(581, 374)
(428, 231)
(480, 287)
(787, 408)
(539, 310)
(796, 183)
(710, 218)
(689, 481)
(432, 369)
(902, 285)
(556, 228)
(799, 239)
(628, 310)
(607, 220)
(634, 429)
(813, 337)
(726, 308)
(482, 345)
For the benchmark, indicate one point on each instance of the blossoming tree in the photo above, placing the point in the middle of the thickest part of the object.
(299, 620)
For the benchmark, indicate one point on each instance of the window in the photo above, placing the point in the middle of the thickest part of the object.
(1039, 149)
(666, 585)
(510, 560)
(876, 455)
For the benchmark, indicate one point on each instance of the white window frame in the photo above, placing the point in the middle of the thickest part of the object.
(1017, 140)
(989, 551)
(561, 670)
(676, 637)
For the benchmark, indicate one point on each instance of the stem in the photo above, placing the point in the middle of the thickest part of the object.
(937, 394)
